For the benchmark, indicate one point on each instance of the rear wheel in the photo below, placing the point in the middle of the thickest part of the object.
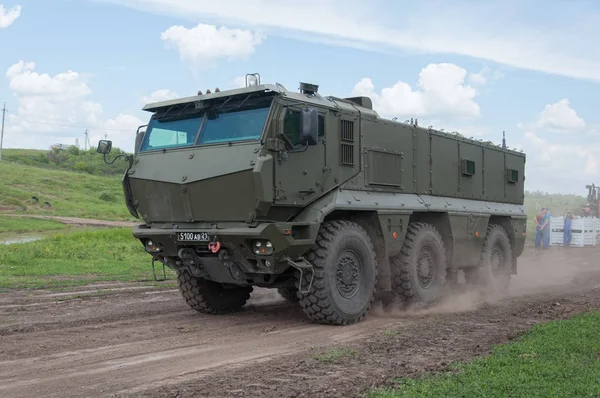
(419, 272)
(495, 264)
(211, 297)
(345, 278)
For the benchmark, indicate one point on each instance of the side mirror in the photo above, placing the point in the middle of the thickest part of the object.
(309, 126)
(104, 147)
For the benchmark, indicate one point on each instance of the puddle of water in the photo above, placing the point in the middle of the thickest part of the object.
(22, 239)
(10, 238)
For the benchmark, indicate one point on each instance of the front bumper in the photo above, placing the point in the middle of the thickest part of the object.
(287, 239)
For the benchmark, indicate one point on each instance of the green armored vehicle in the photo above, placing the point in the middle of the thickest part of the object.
(320, 198)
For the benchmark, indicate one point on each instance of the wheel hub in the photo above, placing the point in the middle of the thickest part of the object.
(425, 266)
(347, 280)
(497, 259)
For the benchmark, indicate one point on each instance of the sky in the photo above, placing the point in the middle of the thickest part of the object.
(529, 68)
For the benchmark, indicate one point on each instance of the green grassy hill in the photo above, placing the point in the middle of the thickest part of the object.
(71, 194)
(72, 159)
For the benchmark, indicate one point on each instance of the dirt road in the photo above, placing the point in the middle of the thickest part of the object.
(139, 341)
(84, 222)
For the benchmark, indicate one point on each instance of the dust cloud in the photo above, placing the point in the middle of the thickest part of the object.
(555, 270)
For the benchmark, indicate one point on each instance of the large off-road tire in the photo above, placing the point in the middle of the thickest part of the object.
(345, 278)
(419, 272)
(289, 293)
(495, 264)
(211, 297)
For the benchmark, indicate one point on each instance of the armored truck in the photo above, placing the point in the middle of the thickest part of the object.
(320, 198)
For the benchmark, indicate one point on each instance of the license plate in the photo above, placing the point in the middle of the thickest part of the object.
(193, 237)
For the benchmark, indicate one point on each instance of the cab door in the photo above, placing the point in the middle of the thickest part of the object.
(301, 175)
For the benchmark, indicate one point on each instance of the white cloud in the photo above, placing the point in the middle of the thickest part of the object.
(204, 44)
(478, 79)
(8, 17)
(58, 108)
(49, 103)
(441, 92)
(559, 117)
(158, 96)
(554, 166)
(562, 162)
(562, 43)
(484, 76)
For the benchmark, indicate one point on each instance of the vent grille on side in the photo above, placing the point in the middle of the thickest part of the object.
(384, 168)
(347, 145)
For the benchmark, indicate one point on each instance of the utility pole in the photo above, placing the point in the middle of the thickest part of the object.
(2, 131)
(85, 144)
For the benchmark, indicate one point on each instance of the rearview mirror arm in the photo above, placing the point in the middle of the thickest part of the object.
(128, 158)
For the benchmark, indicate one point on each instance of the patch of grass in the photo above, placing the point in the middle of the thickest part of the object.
(22, 224)
(76, 258)
(556, 359)
(69, 194)
(335, 354)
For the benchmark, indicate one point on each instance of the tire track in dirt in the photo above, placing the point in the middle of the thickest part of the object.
(150, 343)
(142, 348)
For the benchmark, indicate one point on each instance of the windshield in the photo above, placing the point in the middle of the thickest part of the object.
(234, 126)
(211, 128)
(176, 133)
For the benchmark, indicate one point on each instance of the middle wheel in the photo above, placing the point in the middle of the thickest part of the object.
(419, 272)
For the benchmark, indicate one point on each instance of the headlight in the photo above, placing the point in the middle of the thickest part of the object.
(153, 247)
(263, 247)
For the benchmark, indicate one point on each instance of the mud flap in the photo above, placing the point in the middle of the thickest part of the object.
(154, 271)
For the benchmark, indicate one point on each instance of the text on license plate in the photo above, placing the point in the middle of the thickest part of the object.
(193, 236)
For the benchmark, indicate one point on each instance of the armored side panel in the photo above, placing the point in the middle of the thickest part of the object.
(405, 158)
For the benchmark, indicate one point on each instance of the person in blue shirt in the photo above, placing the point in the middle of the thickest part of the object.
(567, 234)
(545, 227)
(538, 229)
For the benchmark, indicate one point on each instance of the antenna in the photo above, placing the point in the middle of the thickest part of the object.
(503, 140)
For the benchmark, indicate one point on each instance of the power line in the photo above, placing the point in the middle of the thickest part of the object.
(64, 123)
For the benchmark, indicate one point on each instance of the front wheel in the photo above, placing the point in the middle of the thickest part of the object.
(345, 275)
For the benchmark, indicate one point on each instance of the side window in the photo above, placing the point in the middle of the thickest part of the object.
(321, 126)
(291, 126)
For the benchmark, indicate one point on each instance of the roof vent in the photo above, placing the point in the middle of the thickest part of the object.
(365, 102)
(308, 88)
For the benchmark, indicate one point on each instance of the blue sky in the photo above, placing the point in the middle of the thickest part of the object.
(530, 68)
